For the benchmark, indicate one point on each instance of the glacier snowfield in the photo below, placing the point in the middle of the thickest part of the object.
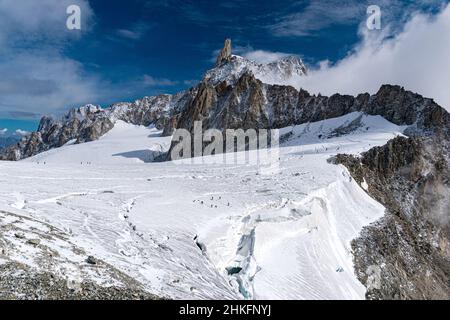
(208, 231)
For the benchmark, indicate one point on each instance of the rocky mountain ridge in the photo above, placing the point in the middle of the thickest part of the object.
(409, 247)
(252, 104)
(249, 103)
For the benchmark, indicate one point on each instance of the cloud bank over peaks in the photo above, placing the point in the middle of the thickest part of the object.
(260, 56)
(416, 58)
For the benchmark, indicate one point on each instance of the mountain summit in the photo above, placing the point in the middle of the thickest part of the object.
(229, 67)
(225, 53)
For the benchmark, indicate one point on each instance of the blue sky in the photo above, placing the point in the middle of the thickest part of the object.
(129, 49)
(11, 125)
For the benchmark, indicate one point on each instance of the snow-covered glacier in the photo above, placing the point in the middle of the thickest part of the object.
(201, 231)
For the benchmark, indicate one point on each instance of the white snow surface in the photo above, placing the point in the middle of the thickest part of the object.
(209, 231)
(124, 144)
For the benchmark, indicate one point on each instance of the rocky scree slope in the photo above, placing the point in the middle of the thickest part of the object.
(40, 261)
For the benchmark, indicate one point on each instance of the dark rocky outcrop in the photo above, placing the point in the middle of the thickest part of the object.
(48, 273)
(410, 245)
(224, 54)
(18, 282)
(249, 103)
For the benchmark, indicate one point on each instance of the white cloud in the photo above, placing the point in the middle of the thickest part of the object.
(259, 56)
(36, 77)
(190, 82)
(248, 52)
(128, 34)
(417, 58)
(41, 82)
(135, 32)
(264, 57)
(318, 15)
(21, 132)
(150, 81)
(30, 21)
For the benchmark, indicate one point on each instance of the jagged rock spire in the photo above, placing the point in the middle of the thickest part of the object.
(225, 53)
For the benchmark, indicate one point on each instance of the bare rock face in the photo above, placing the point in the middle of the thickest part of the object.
(225, 53)
(410, 245)
(248, 103)
(224, 106)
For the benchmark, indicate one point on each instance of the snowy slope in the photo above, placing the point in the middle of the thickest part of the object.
(210, 231)
(125, 143)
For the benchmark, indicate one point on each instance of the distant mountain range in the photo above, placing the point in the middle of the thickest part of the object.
(8, 141)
